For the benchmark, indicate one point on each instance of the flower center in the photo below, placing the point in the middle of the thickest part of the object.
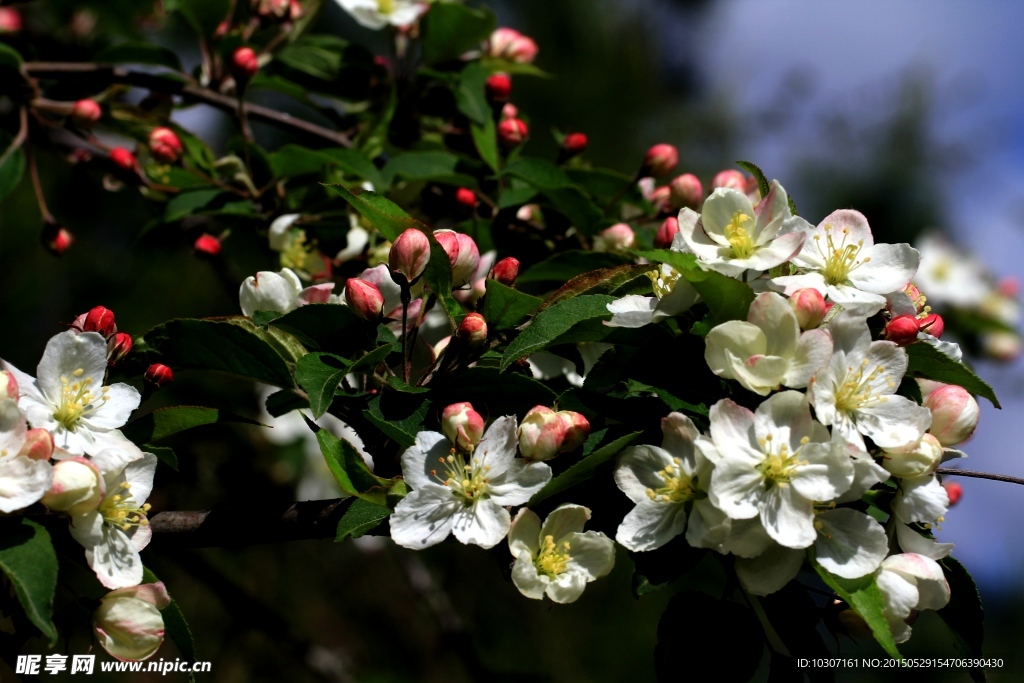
(76, 399)
(120, 509)
(840, 259)
(663, 281)
(552, 559)
(739, 239)
(678, 488)
(778, 466)
(860, 388)
(467, 480)
(386, 6)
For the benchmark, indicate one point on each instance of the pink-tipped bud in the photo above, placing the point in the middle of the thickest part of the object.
(410, 253)
(77, 487)
(469, 260)
(10, 20)
(8, 386)
(1009, 287)
(809, 306)
(449, 241)
(472, 330)
(955, 414)
(244, 63)
(158, 375)
(616, 238)
(730, 178)
(512, 132)
(506, 271)
(509, 111)
(902, 330)
(206, 245)
(119, 346)
(686, 191)
(932, 324)
(85, 113)
(574, 143)
(165, 145)
(954, 492)
(463, 426)
(364, 299)
(38, 444)
(661, 160)
(545, 433)
(123, 159)
(466, 197)
(913, 460)
(498, 87)
(507, 43)
(578, 431)
(667, 233)
(99, 319)
(661, 199)
(57, 240)
(1001, 345)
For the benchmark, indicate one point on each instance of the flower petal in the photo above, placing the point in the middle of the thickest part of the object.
(564, 520)
(424, 457)
(651, 525)
(424, 517)
(591, 554)
(518, 484)
(485, 523)
(770, 571)
(788, 517)
(524, 534)
(850, 544)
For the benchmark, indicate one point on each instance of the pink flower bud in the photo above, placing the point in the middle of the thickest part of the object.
(809, 306)
(661, 199)
(128, 623)
(498, 87)
(1009, 287)
(955, 414)
(364, 299)
(509, 111)
(932, 324)
(57, 239)
(463, 426)
(165, 145)
(730, 178)
(914, 460)
(618, 237)
(902, 330)
(316, 294)
(667, 233)
(449, 241)
(507, 43)
(545, 433)
(954, 491)
(661, 160)
(38, 444)
(77, 487)
(410, 253)
(10, 20)
(506, 271)
(99, 319)
(686, 191)
(85, 113)
(574, 143)
(512, 132)
(578, 430)
(466, 197)
(472, 330)
(1001, 344)
(8, 386)
(468, 261)
(123, 159)
(157, 375)
(244, 63)
(206, 245)
(119, 346)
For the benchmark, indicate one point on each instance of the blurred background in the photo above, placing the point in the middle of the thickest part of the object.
(910, 111)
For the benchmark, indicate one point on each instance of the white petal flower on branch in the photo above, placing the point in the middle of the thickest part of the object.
(909, 583)
(281, 292)
(672, 295)
(376, 14)
(23, 479)
(950, 276)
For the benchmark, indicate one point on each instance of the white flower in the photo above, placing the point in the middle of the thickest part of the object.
(921, 499)
(128, 623)
(69, 400)
(842, 261)
(768, 350)
(775, 463)
(855, 393)
(544, 365)
(115, 532)
(732, 236)
(558, 559)
(950, 276)
(672, 295)
(668, 484)
(910, 541)
(376, 14)
(23, 480)
(910, 582)
(281, 292)
(463, 495)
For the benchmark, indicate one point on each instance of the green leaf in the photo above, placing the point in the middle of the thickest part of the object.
(505, 307)
(604, 281)
(762, 182)
(319, 374)
(449, 30)
(285, 401)
(726, 298)
(164, 454)
(372, 359)
(578, 208)
(517, 196)
(29, 561)
(264, 318)
(603, 184)
(9, 57)
(485, 139)
(295, 160)
(360, 517)
(188, 203)
(11, 170)
(139, 53)
(863, 596)
(635, 388)
(435, 166)
(584, 469)
(494, 392)
(566, 265)
(175, 625)
(354, 162)
(319, 56)
(399, 420)
(964, 615)
(164, 422)
(927, 362)
(348, 468)
(326, 327)
(552, 322)
(382, 213)
(542, 174)
(471, 95)
(398, 384)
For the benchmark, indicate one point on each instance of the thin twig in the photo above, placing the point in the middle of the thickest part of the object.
(33, 171)
(980, 475)
(20, 138)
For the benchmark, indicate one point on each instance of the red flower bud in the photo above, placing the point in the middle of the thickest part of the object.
(10, 20)
(158, 374)
(954, 491)
(507, 43)
(86, 113)
(661, 160)
(100, 319)
(466, 197)
(902, 330)
(410, 253)
(119, 346)
(686, 191)
(506, 271)
(730, 178)
(463, 426)
(498, 87)
(809, 306)
(123, 159)
(512, 132)
(472, 330)
(661, 199)
(164, 145)
(449, 241)
(509, 111)
(667, 233)
(206, 245)
(364, 299)
(244, 63)
(57, 239)
(574, 143)
(933, 324)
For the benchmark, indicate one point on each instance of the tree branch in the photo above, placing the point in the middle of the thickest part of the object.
(980, 475)
(188, 91)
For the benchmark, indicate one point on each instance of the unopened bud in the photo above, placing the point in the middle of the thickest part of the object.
(472, 330)
(574, 143)
(809, 306)
(244, 63)
(914, 460)
(449, 241)
(666, 233)
(10, 20)
(466, 197)
(661, 199)
(512, 132)
(206, 245)
(954, 492)
(506, 271)
(8, 386)
(99, 319)
(730, 178)
(1001, 344)
(955, 414)
(410, 253)
(507, 43)
(165, 145)
(661, 160)
(364, 299)
(579, 430)
(509, 111)
(498, 87)
(545, 433)
(469, 260)
(157, 375)
(932, 324)
(463, 426)
(616, 238)
(77, 487)
(57, 239)
(119, 346)
(1009, 287)
(85, 113)
(38, 444)
(123, 159)
(902, 330)
(128, 623)
(686, 191)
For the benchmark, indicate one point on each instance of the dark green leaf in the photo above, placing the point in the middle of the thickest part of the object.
(349, 469)
(435, 166)
(928, 362)
(566, 265)
(372, 359)
(319, 56)
(399, 420)
(164, 454)
(11, 170)
(285, 401)
(354, 162)
(470, 94)
(399, 385)
(542, 174)
(326, 327)
(188, 203)
(604, 281)
(9, 57)
(863, 596)
(449, 30)
(382, 213)
(319, 374)
(552, 322)
(505, 307)
(602, 183)
(726, 298)
(584, 469)
(495, 393)
(362, 516)
(762, 182)
(264, 318)
(964, 615)
(164, 422)
(634, 388)
(28, 560)
(578, 208)
(485, 139)
(294, 160)
(139, 53)
(517, 196)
